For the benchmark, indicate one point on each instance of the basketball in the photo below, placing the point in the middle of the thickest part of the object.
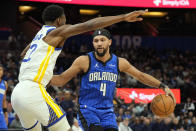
(162, 105)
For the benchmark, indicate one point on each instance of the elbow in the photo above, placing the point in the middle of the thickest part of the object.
(141, 77)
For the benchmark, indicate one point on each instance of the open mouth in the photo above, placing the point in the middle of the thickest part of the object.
(99, 48)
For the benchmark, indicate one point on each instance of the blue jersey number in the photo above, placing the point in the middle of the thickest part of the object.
(32, 48)
(103, 88)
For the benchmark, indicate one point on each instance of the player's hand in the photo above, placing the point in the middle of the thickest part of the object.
(134, 16)
(168, 92)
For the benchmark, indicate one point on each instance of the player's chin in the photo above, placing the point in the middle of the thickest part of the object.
(101, 54)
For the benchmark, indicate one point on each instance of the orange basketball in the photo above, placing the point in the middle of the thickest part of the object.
(162, 105)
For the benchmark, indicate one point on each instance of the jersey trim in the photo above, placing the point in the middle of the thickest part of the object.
(48, 31)
(83, 120)
(51, 124)
(44, 65)
(60, 48)
(31, 127)
(104, 63)
(49, 26)
(50, 102)
(118, 65)
(40, 76)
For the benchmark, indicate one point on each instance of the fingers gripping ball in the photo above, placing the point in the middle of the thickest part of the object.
(162, 105)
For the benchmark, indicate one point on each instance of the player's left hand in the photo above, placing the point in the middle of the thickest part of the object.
(134, 16)
(168, 92)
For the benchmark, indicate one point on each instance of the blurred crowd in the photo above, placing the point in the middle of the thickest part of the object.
(175, 68)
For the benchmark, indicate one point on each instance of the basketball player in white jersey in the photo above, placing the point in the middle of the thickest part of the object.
(29, 98)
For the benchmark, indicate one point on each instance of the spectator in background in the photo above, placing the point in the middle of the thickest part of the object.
(190, 115)
(193, 124)
(145, 112)
(175, 125)
(166, 124)
(136, 126)
(120, 113)
(16, 123)
(189, 105)
(186, 124)
(123, 126)
(68, 106)
(147, 125)
(127, 114)
(157, 125)
(12, 42)
(140, 108)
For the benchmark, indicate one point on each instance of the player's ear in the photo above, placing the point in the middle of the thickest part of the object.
(110, 42)
(58, 20)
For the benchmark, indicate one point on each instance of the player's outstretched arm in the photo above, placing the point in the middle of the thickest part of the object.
(101, 22)
(78, 66)
(126, 67)
(66, 31)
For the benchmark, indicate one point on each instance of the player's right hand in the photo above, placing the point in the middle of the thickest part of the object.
(170, 93)
(134, 16)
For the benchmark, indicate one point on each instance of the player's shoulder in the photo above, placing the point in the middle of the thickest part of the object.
(123, 63)
(82, 59)
(64, 26)
(59, 29)
(121, 59)
(82, 62)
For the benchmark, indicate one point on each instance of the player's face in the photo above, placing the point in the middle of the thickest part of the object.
(1, 72)
(101, 45)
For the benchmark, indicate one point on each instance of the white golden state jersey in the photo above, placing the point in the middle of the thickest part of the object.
(39, 61)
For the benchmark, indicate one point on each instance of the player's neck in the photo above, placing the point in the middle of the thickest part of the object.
(50, 24)
(103, 58)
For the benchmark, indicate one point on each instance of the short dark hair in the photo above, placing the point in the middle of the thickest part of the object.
(52, 12)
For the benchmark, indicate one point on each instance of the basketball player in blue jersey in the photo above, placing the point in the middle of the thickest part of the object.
(3, 102)
(100, 71)
(33, 105)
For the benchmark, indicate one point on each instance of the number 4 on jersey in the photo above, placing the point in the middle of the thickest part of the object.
(103, 88)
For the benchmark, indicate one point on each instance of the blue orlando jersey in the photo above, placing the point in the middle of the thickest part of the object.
(99, 82)
(3, 124)
(2, 92)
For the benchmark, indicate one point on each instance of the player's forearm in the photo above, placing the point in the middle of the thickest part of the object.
(6, 117)
(149, 80)
(57, 80)
(90, 25)
(102, 22)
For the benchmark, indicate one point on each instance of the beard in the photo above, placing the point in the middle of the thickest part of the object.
(101, 54)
